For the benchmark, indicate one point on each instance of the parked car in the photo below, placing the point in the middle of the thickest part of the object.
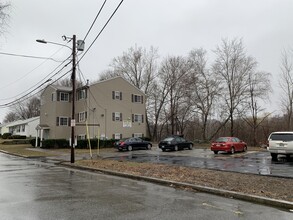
(280, 143)
(229, 145)
(132, 144)
(175, 143)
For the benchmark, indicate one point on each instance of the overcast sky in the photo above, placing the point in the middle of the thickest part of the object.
(173, 26)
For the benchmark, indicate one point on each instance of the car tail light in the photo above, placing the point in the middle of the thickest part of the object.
(122, 143)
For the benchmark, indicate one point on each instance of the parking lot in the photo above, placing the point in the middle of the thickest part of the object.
(255, 162)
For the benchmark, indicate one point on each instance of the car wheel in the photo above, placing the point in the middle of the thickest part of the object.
(245, 149)
(129, 148)
(149, 147)
(176, 148)
(163, 150)
(190, 147)
(216, 152)
(274, 156)
(232, 150)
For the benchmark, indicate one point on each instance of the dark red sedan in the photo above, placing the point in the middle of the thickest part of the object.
(229, 145)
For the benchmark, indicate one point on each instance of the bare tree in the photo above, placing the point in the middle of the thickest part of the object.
(3, 16)
(10, 117)
(286, 83)
(204, 88)
(259, 89)
(156, 102)
(173, 73)
(233, 67)
(24, 110)
(68, 83)
(138, 66)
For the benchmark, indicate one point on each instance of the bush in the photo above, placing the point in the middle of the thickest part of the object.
(83, 144)
(6, 135)
(17, 137)
(55, 143)
(33, 142)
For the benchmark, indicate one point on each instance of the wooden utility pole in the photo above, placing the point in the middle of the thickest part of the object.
(73, 78)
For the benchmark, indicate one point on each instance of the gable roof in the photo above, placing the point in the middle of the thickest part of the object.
(114, 78)
(21, 122)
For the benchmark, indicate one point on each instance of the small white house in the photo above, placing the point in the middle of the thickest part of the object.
(25, 127)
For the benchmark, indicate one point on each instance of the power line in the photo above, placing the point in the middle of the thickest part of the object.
(28, 56)
(48, 77)
(25, 75)
(101, 30)
(31, 94)
(95, 20)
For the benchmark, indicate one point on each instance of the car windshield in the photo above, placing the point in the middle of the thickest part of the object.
(222, 139)
(282, 137)
(169, 139)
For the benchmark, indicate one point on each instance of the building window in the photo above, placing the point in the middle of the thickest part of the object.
(137, 118)
(18, 128)
(64, 97)
(117, 136)
(117, 116)
(117, 95)
(82, 94)
(22, 128)
(81, 137)
(82, 116)
(137, 98)
(62, 121)
(53, 97)
(137, 135)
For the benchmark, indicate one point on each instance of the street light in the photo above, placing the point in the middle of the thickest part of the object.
(73, 78)
(49, 42)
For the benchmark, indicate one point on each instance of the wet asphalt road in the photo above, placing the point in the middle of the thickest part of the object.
(248, 162)
(31, 190)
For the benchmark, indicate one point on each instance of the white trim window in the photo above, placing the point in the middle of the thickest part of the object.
(117, 136)
(137, 118)
(136, 98)
(117, 116)
(82, 116)
(64, 97)
(53, 97)
(62, 121)
(137, 135)
(81, 137)
(117, 95)
(81, 94)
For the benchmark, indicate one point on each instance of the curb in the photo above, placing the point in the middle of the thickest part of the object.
(14, 154)
(229, 194)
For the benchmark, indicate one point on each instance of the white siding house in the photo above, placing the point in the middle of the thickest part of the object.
(25, 127)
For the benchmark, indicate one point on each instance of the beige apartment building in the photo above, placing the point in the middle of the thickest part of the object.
(108, 109)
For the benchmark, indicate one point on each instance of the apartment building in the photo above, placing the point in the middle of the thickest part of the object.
(107, 109)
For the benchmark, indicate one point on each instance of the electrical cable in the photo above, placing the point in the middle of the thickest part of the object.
(25, 75)
(28, 56)
(101, 30)
(40, 81)
(29, 95)
(94, 20)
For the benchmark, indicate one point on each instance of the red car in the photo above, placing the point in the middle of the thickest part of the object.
(229, 145)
